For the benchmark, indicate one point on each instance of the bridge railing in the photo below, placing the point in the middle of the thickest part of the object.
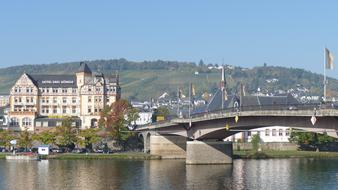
(272, 107)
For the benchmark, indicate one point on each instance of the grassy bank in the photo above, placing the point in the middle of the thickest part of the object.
(3, 155)
(131, 156)
(283, 154)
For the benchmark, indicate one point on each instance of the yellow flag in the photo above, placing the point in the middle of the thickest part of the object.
(236, 118)
(328, 59)
(193, 92)
(227, 127)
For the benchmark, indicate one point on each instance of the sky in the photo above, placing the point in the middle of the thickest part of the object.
(289, 33)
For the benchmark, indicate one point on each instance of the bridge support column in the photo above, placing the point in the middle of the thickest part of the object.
(166, 146)
(207, 152)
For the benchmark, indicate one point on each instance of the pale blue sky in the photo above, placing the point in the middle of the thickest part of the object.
(244, 33)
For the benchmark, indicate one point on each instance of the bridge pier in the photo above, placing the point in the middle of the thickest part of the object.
(209, 152)
(168, 146)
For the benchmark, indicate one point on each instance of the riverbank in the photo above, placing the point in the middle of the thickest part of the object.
(93, 156)
(283, 154)
(237, 155)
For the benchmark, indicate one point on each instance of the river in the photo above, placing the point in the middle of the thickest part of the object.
(275, 174)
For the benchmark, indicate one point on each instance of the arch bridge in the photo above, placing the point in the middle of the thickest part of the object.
(198, 138)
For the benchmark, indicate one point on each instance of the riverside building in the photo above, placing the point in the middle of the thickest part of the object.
(40, 101)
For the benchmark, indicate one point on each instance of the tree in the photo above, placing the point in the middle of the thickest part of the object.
(46, 137)
(25, 139)
(201, 63)
(88, 137)
(5, 138)
(66, 134)
(255, 139)
(309, 140)
(116, 118)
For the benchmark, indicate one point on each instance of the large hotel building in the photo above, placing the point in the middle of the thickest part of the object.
(39, 101)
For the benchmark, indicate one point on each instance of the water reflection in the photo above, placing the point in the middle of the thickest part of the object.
(208, 176)
(169, 174)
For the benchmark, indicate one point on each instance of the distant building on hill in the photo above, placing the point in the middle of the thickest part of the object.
(39, 101)
(4, 100)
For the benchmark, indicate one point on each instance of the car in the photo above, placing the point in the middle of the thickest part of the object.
(79, 150)
(98, 151)
(57, 150)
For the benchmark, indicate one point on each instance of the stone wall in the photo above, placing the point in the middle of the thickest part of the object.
(266, 146)
(173, 147)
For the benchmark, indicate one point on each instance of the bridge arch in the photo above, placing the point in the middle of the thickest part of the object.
(145, 136)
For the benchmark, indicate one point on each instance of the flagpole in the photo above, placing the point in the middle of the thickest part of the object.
(190, 85)
(325, 74)
(178, 101)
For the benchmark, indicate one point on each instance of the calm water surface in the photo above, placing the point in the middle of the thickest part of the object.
(169, 174)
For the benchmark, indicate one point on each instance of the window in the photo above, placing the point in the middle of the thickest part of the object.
(38, 124)
(44, 109)
(280, 132)
(55, 109)
(64, 109)
(89, 89)
(43, 100)
(73, 109)
(73, 100)
(64, 99)
(55, 100)
(287, 132)
(274, 132)
(26, 122)
(97, 89)
(15, 89)
(55, 90)
(267, 132)
(47, 100)
(20, 100)
(15, 99)
(74, 90)
(89, 99)
(64, 90)
(89, 109)
(249, 133)
(14, 121)
(27, 90)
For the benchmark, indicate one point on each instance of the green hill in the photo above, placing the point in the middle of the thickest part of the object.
(143, 80)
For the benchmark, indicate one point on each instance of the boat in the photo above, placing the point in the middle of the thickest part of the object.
(23, 156)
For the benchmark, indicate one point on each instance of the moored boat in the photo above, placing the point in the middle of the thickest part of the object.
(23, 156)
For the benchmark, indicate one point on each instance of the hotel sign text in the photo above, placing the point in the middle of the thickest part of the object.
(57, 82)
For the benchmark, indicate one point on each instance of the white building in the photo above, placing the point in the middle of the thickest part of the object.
(266, 134)
(38, 101)
(144, 118)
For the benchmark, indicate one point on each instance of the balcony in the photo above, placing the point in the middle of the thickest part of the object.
(22, 113)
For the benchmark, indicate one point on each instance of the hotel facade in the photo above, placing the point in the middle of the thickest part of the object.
(40, 101)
